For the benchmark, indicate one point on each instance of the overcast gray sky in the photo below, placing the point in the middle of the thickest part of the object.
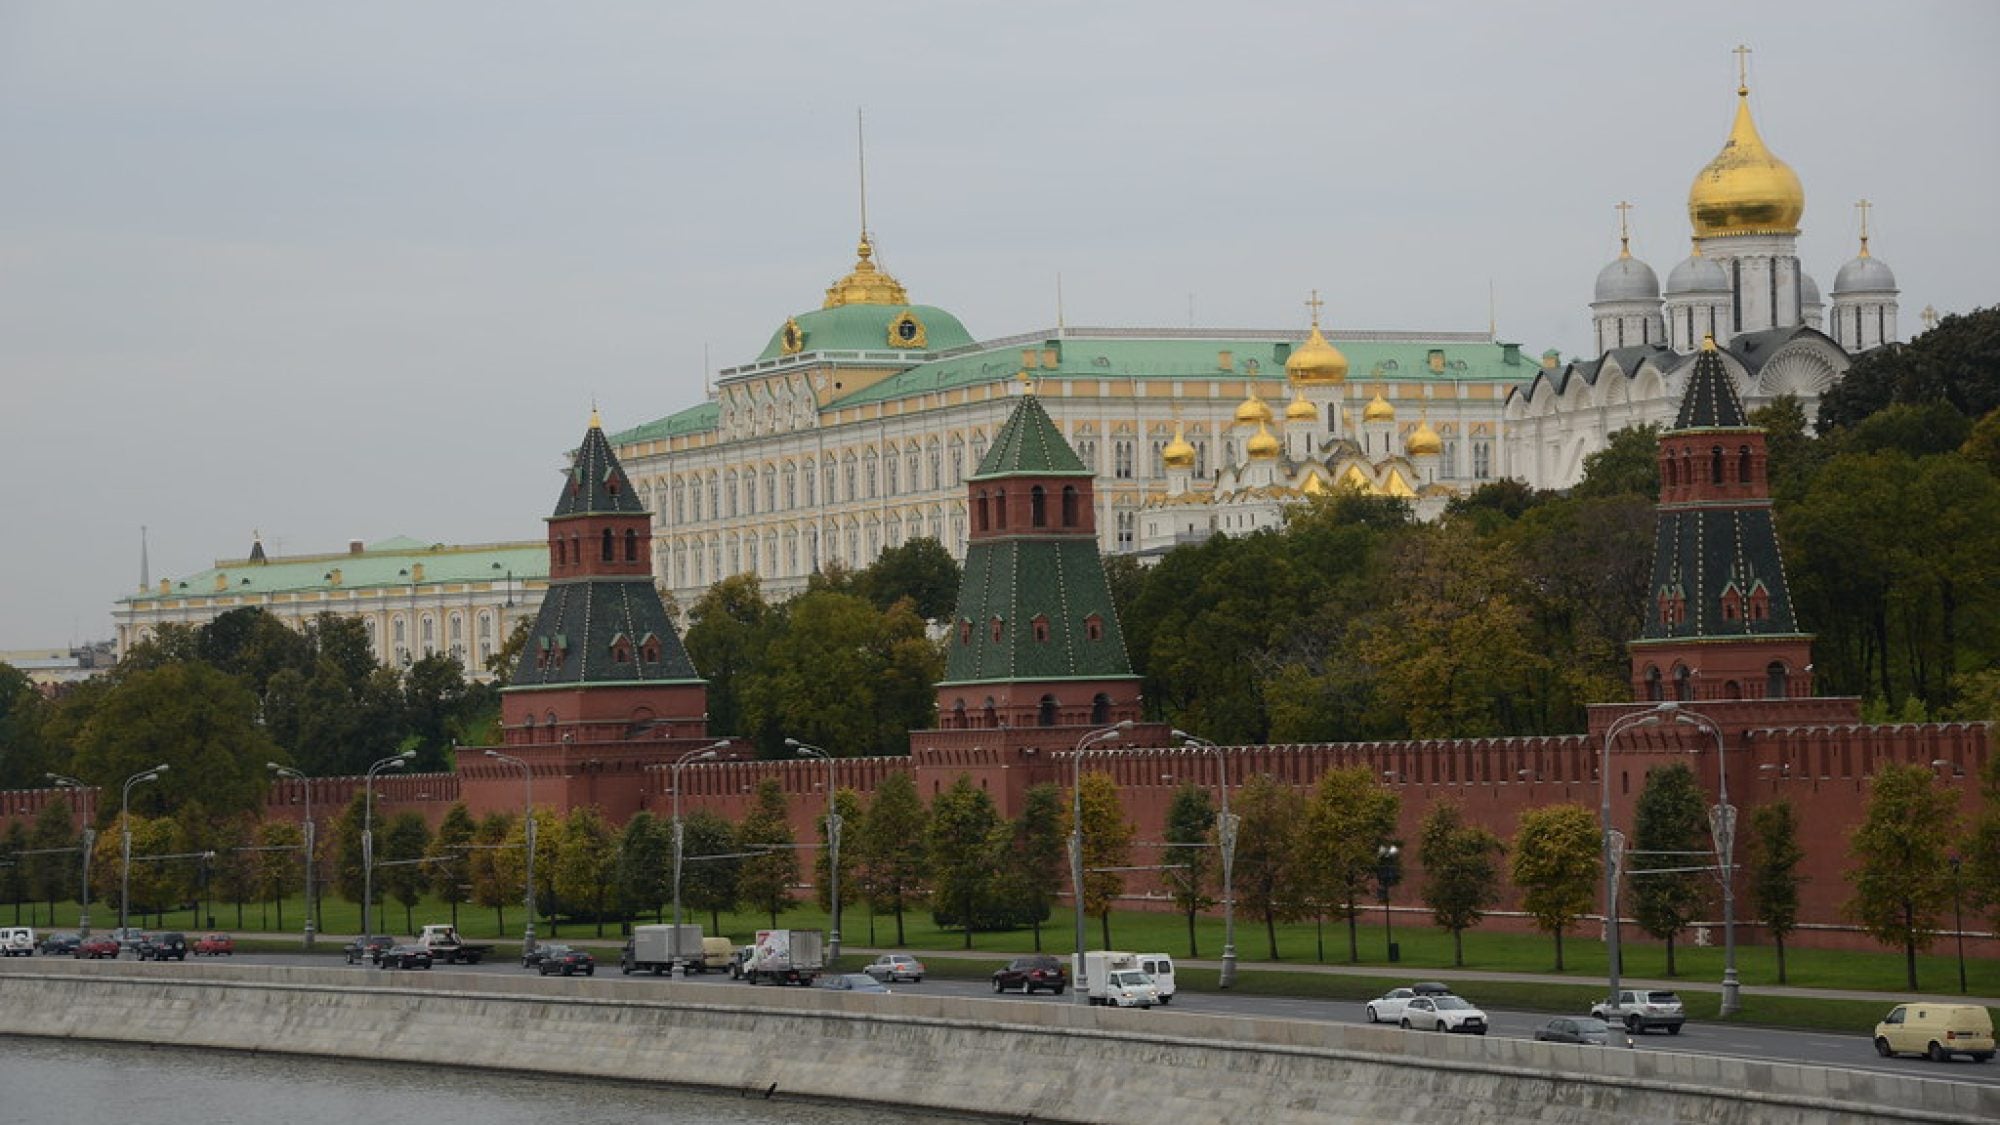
(357, 269)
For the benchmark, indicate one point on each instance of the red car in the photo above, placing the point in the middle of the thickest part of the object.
(95, 947)
(215, 945)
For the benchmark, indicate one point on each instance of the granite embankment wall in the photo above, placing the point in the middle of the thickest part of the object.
(1000, 1058)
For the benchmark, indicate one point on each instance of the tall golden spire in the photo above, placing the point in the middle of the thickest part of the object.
(1746, 189)
(866, 284)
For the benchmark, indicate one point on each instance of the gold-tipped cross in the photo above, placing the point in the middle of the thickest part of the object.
(1624, 230)
(1862, 205)
(1742, 54)
(1315, 304)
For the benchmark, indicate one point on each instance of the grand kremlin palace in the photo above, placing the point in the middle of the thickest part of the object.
(855, 427)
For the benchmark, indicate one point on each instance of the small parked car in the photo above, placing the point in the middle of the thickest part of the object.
(1443, 1013)
(60, 945)
(853, 982)
(892, 967)
(1032, 973)
(215, 945)
(1388, 1007)
(1585, 1030)
(567, 960)
(1642, 1009)
(96, 948)
(368, 949)
(1936, 1031)
(406, 957)
(533, 957)
(171, 945)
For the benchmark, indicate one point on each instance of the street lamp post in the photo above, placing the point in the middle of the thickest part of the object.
(1225, 832)
(1105, 734)
(89, 845)
(1614, 841)
(1385, 877)
(528, 835)
(832, 842)
(125, 826)
(1722, 828)
(701, 755)
(1958, 919)
(392, 762)
(312, 926)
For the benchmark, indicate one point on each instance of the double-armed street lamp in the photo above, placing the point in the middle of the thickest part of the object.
(808, 750)
(392, 762)
(1225, 832)
(1385, 877)
(306, 782)
(1106, 734)
(125, 827)
(528, 835)
(89, 845)
(704, 754)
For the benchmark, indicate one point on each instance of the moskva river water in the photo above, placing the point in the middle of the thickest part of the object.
(62, 1081)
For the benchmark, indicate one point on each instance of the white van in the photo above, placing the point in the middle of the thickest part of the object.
(1160, 967)
(17, 941)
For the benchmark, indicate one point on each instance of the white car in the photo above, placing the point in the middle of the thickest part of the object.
(894, 967)
(1641, 1010)
(1388, 1007)
(1443, 1013)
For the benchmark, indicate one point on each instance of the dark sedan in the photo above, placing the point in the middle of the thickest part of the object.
(60, 945)
(566, 960)
(1584, 1030)
(1031, 974)
(97, 947)
(406, 957)
(162, 947)
(368, 948)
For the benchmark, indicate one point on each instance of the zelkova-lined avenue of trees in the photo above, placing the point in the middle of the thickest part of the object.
(1353, 622)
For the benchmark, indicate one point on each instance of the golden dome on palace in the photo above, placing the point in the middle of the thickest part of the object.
(1299, 410)
(1316, 361)
(1253, 410)
(1424, 441)
(1378, 410)
(866, 285)
(1745, 189)
(1179, 453)
(1263, 446)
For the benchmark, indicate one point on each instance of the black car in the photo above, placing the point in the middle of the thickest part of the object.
(566, 960)
(368, 948)
(405, 957)
(1584, 1030)
(1030, 974)
(60, 945)
(162, 947)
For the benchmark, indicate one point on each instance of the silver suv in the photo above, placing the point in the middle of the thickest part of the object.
(1643, 1009)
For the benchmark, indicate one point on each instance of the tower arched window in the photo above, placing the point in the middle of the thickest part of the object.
(605, 549)
(1655, 688)
(979, 510)
(1715, 465)
(1683, 683)
(631, 545)
(1743, 465)
(1038, 514)
(1000, 510)
(1100, 709)
(1777, 679)
(1069, 505)
(1045, 715)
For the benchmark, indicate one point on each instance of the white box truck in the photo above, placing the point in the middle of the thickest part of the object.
(1114, 979)
(660, 949)
(785, 957)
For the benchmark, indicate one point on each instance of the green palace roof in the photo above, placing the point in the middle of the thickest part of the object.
(867, 328)
(387, 563)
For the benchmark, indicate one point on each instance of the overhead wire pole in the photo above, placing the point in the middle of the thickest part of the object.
(701, 755)
(394, 762)
(89, 845)
(528, 838)
(1225, 832)
(832, 843)
(1105, 734)
(312, 915)
(1722, 829)
(125, 827)
(1613, 840)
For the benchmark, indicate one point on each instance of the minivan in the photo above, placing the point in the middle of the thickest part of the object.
(17, 941)
(1160, 967)
(1938, 1031)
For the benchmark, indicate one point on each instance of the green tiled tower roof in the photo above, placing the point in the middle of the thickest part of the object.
(1710, 401)
(597, 481)
(1029, 444)
(579, 631)
(1024, 584)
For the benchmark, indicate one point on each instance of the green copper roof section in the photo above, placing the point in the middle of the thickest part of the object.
(1703, 555)
(866, 328)
(1710, 401)
(693, 420)
(584, 625)
(597, 484)
(1029, 444)
(390, 563)
(1260, 356)
(1025, 584)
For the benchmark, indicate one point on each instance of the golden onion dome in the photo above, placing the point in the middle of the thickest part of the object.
(1252, 411)
(1424, 441)
(1378, 410)
(1299, 410)
(1263, 446)
(1316, 361)
(866, 284)
(1179, 453)
(1745, 189)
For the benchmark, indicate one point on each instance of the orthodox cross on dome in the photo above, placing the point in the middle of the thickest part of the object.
(1742, 54)
(1315, 304)
(1624, 229)
(1862, 205)
(1929, 316)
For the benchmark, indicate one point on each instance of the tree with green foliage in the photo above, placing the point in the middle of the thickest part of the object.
(1556, 866)
(1032, 863)
(581, 873)
(346, 878)
(848, 804)
(52, 878)
(1627, 465)
(767, 877)
(892, 848)
(511, 863)
(1900, 875)
(729, 628)
(1190, 858)
(14, 881)
(24, 756)
(232, 870)
(1269, 872)
(1107, 845)
(1462, 874)
(711, 873)
(450, 866)
(841, 673)
(1955, 362)
(1670, 828)
(1774, 878)
(1350, 817)
(920, 570)
(191, 717)
(642, 875)
(399, 863)
(490, 887)
(959, 841)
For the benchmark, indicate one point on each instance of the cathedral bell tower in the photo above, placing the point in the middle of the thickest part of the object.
(1719, 621)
